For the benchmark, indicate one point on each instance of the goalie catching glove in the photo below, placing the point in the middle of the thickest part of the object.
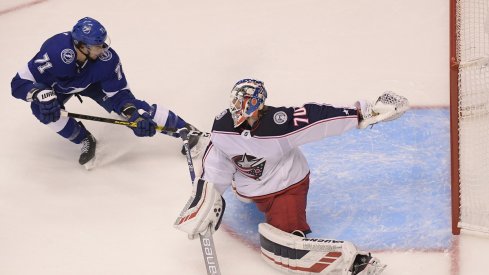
(388, 106)
(203, 211)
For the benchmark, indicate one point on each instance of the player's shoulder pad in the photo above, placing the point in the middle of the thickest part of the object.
(278, 115)
(223, 122)
(59, 50)
(109, 56)
(276, 121)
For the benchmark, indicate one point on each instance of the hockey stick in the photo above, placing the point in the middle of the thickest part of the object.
(168, 131)
(206, 240)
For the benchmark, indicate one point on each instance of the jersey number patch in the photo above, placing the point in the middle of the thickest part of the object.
(45, 63)
(300, 116)
(118, 71)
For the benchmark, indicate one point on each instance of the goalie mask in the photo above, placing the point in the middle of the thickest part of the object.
(247, 99)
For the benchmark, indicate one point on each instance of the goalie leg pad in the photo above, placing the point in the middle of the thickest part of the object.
(294, 254)
(298, 255)
(203, 210)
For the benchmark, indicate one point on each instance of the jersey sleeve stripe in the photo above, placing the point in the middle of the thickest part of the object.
(309, 126)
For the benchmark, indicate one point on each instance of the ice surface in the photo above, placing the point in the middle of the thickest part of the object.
(58, 218)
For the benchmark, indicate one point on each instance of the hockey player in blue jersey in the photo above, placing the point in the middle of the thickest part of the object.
(255, 150)
(82, 63)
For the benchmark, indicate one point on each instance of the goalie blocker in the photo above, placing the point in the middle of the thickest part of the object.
(203, 210)
(294, 254)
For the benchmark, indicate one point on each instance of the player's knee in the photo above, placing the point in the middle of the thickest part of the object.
(283, 224)
(288, 221)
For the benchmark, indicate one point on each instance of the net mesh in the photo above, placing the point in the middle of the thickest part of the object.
(473, 113)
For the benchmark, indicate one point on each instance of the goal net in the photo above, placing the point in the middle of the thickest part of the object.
(469, 75)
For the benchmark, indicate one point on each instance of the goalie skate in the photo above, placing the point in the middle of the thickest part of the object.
(365, 264)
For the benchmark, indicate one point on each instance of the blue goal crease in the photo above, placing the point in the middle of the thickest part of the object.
(384, 188)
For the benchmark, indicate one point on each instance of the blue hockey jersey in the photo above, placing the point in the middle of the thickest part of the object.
(55, 66)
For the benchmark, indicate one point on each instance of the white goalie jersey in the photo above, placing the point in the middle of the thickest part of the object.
(266, 159)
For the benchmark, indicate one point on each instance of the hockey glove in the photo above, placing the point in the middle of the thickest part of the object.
(146, 127)
(389, 106)
(203, 210)
(45, 98)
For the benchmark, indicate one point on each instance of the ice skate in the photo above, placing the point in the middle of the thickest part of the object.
(365, 264)
(87, 156)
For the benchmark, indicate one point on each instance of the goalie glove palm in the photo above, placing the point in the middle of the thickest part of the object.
(204, 208)
(389, 106)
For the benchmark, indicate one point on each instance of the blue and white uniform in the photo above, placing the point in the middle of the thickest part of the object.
(103, 80)
(55, 66)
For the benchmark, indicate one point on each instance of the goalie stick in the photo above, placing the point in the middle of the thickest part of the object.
(206, 240)
(159, 128)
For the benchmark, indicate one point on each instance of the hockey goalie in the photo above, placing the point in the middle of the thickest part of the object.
(255, 149)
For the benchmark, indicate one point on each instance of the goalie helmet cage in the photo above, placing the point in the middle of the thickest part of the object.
(469, 114)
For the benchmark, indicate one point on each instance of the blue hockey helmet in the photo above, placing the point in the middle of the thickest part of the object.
(89, 32)
(247, 99)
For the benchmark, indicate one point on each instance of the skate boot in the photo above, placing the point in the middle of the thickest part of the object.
(365, 264)
(193, 140)
(88, 149)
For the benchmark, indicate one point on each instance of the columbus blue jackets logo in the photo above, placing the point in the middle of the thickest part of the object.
(280, 117)
(249, 166)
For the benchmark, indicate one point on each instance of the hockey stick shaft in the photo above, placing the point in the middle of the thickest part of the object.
(110, 120)
(206, 240)
(168, 131)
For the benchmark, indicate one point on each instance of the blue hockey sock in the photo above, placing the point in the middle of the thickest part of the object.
(73, 131)
(174, 121)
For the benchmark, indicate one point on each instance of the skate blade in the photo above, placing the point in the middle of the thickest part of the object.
(378, 269)
(90, 164)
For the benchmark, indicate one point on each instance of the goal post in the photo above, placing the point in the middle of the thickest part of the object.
(454, 119)
(469, 114)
